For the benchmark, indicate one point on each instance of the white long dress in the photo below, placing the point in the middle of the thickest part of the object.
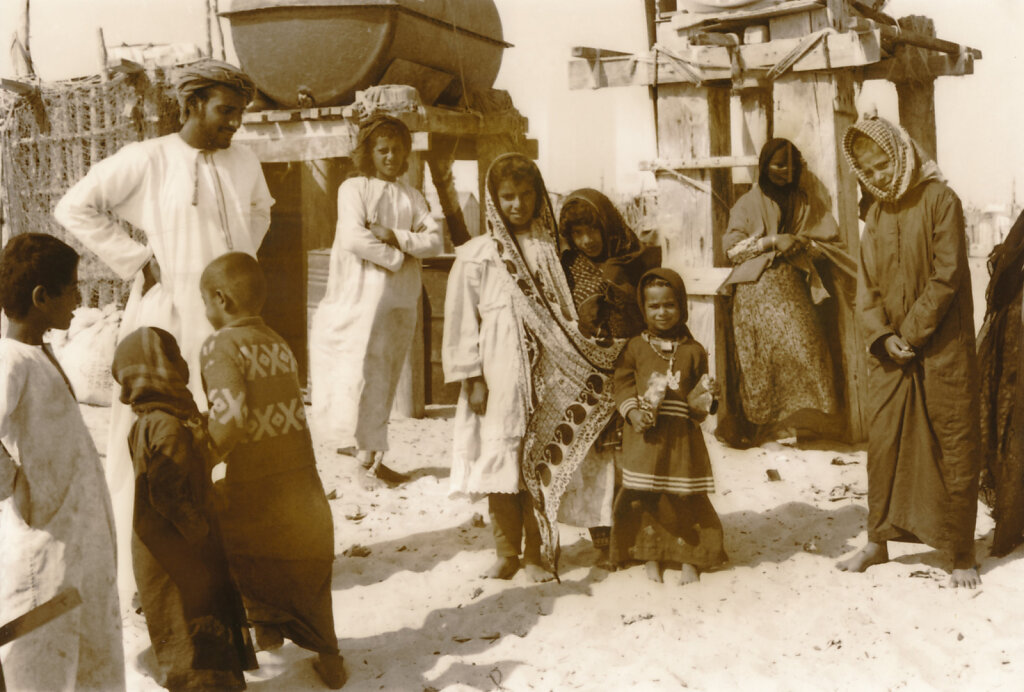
(481, 337)
(193, 206)
(363, 327)
(70, 541)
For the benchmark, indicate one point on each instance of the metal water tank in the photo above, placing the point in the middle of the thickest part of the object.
(329, 49)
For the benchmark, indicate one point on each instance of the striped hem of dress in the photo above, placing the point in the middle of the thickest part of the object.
(677, 409)
(681, 486)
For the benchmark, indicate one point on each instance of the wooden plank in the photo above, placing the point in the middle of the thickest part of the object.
(917, 96)
(835, 51)
(589, 53)
(692, 125)
(813, 111)
(720, 20)
(750, 123)
(65, 601)
(698, 164)
(901, 68)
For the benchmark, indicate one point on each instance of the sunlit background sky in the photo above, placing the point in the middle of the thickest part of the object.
(596, 138)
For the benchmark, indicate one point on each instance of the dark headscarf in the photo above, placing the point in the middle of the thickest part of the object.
(206, 73)
(782, 195)
(361, 154)
(1006, 268)
(619, 239)
(152, 374)
(678, 288)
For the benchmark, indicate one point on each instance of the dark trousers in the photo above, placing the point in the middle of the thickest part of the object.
(513, 520)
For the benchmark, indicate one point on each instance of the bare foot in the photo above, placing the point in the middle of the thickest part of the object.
(538, 573)
(653, 570)
(965, 578)
(604, 562)
(868, 556)
(267, 637)
(331, 669)
(689, 575)
(503, 568)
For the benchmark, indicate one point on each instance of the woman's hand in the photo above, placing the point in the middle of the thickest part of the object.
(899, 350)
(150, 275)
(786, 243)
(641, 420)
(476, 394)
(383, 234)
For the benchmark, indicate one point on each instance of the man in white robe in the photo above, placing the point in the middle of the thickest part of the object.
(195, 197)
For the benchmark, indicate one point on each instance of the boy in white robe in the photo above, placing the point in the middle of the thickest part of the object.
(364, 326)
(56, 527)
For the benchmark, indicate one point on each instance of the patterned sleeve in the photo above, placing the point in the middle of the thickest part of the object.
(223, 372)
(624, 382)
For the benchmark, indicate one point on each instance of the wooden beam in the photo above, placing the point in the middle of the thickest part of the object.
(901, 69)
(698, 164)
(589, 53)
(19, 88)
(834, 51)
(750, 123)
(917, 96)
(738, 18)
(65, 601)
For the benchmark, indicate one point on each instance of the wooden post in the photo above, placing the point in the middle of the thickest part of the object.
(693, 123)
(21, 50)
(814, 111)
(750, 120)
(104, 74)
(916, 93)
(410, 396)
(439, 159)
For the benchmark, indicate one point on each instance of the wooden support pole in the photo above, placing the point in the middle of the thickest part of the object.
(916, 93)
(814, 111)
(750, 123)
(693, 123)
(439, 160)
(102, 45)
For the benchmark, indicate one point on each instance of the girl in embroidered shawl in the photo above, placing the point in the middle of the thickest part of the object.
(363, 327)
(535, 392)
(603, 262)
(662, 512)
(915, 305)
(1002, 392)
(785, 249)
(196, 620)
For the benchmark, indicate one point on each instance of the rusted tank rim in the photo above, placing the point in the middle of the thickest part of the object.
(252, 6)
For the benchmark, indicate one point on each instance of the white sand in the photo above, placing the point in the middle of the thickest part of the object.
(414, 615)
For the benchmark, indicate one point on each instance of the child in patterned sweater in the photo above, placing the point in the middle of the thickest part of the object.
(277, 524)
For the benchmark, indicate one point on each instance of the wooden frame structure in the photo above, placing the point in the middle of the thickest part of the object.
(306, 155)
(722, 84)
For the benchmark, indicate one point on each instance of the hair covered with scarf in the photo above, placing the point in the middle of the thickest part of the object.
(379, 125)
(194, 79)
(152, 373)
(895, 143)
(592, 208)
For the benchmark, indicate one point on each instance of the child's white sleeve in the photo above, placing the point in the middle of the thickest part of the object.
(460, 344)
(425, 239)
(353, 230)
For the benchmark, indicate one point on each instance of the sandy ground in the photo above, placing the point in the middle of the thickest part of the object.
(414, 615)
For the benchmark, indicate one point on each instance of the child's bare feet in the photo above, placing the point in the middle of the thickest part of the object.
(689, 575)
(868, 556)
(965, 578)
(653, 570)
(503, 568)
(331, 669)
(268, 637)
(538, 573)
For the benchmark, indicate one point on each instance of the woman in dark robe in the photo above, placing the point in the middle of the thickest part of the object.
(787, 261)
(1002, 392)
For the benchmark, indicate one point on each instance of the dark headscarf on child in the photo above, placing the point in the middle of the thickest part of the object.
(620, 243)
(152, 374)
(375, 122)
(673, 279)
(781, 194)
